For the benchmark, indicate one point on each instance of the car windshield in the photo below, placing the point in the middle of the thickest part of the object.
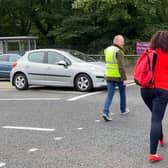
(80, 55)
(72, 57)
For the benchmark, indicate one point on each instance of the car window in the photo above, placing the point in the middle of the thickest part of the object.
(72, 57)
(4, 58)
(37, 57)
(54, 58)
(13, 58)
(81, 55)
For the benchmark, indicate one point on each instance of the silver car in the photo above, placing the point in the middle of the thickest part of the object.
(52, 67)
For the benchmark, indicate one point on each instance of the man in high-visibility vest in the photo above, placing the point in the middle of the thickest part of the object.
(115, 76)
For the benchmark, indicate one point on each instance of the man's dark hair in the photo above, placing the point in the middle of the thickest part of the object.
(160, 40)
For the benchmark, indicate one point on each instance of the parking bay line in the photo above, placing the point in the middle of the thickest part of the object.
(2, 164)
(131, 84)
(90, 94)
(82, 96)
(27, 99)
(29, 128)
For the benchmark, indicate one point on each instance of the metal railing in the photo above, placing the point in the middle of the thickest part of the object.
(130, 61)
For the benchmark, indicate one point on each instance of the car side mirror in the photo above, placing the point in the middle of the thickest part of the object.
(63, 63)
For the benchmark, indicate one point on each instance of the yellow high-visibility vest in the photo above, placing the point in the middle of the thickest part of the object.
(112, 69)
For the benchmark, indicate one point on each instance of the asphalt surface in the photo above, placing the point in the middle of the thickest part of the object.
(62, 128)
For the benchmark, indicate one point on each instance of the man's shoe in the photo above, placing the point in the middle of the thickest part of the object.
(106, 117)
(155, 157)
(126, 112)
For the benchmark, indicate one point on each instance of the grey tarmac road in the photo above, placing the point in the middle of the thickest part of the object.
(41, 128)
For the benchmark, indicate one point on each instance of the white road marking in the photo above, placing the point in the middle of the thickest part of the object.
(80, 128)
(97, 120)
(2, 164)
(58, 138)
(29, 128)
(29, 99)
(84, 95)
(60, 92)
(111, 113)
(131, 84)
(33, 150)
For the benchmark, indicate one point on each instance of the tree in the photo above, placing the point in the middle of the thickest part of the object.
(48, 14)
(14, 19)
(87, 25)
(133, 18)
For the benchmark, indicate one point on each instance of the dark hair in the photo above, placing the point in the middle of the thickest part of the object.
(160, 40)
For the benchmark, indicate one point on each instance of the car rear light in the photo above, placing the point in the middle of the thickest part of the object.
(14, 65)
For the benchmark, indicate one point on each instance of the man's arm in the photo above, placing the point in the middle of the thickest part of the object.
(121, 64)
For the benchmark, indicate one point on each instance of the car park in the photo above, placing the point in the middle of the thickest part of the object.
(6, 62)
(53, 67)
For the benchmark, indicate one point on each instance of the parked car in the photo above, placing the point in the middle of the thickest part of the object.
(53, 67)
(6, 62)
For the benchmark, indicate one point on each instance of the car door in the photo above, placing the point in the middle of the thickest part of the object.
(5, 67)
(36, 68)
(59, 68)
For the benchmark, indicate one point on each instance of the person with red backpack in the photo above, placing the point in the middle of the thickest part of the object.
(156, 97)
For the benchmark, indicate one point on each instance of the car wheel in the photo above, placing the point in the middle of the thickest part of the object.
(83, 83)
(20, 81)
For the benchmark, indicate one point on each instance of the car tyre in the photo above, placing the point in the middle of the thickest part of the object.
(20, 81)
(83, 83)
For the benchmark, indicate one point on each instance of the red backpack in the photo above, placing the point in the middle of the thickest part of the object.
(144, 69)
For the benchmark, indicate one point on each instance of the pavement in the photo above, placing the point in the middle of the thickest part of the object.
(5, 84)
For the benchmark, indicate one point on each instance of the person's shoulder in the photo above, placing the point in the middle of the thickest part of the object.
(120, 52)
(113, 47)
(109, 47)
